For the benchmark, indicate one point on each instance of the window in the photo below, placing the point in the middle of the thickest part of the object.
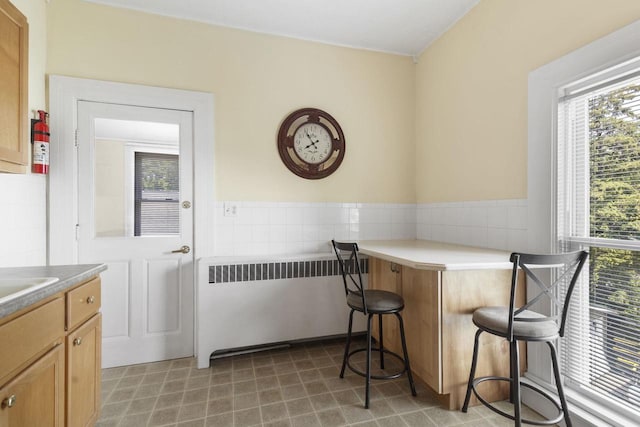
(156, 194)
(598, 208)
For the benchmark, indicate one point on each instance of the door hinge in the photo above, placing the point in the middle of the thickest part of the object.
(77, 232)
(76, 138)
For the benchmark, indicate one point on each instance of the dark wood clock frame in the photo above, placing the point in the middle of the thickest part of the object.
(288, 154)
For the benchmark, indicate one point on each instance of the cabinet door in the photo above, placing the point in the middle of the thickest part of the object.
(386, 276)
(14, 113)
(421, 290)
(83, 373)
(36, 396)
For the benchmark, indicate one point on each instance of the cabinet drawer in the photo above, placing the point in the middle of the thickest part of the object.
(30, 335)
(83, 302)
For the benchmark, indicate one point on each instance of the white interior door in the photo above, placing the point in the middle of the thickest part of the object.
(134, 213)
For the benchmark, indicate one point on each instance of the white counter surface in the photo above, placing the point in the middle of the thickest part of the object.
(427, 255)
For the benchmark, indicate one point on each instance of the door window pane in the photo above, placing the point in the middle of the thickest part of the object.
(137, 188)
(157, 194)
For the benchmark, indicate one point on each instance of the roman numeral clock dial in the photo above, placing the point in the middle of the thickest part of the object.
(311, 143)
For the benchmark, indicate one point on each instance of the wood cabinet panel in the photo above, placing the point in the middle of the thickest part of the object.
(383, 277)
(36, 395)
(83, 373)
(83, 302)
(29, 336)
(14, 133)
(438, 326)
(462, 293)
(421, 290)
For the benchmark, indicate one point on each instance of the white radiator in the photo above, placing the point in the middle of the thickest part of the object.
(243, 302)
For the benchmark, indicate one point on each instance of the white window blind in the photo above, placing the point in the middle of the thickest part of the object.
(157, 194)
(598, 208)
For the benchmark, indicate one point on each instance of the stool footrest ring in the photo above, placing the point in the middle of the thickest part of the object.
(532, 387)
(377, 377)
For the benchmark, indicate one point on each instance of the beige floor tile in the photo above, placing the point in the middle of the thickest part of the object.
(294, 387)
(331, 418)
(308, 420)
(273, 412)
(220, 406)
(220, 420)
(246, 418)
(299, 406)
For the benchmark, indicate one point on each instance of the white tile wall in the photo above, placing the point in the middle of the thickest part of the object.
(497, 224)
(23, 219)
(263, 228)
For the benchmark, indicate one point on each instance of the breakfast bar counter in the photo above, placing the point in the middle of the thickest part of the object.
(427, 255)
(442, 284)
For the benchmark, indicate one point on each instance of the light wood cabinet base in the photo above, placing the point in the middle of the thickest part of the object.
(439, 330)
(50, 370)
(36, 396)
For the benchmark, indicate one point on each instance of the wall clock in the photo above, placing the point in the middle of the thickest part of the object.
(311, 143)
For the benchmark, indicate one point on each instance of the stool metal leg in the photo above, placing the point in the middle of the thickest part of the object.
(380, 335)
(346, 348)
(556, 374)
(368, 381)
(406, 355)
(515, 382)
(513, 365)
(472, 371)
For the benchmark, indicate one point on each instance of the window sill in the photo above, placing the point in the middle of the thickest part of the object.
(584, 410)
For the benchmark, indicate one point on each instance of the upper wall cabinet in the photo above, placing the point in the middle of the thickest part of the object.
(14, 131)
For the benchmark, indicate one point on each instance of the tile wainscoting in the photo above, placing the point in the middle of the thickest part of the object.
(262, 228)
(23, 220)
(495, 224)
(267, 228)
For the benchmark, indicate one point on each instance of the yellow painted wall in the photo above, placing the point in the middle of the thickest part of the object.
(257, 80)
(471, 91)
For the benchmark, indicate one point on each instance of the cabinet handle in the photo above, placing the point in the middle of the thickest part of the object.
(91, 300)
(394, 267)
(77, 341)
(9, 402)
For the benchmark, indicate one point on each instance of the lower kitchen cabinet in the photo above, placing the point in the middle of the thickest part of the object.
(83, 373)
(36, 396)
(51, 361)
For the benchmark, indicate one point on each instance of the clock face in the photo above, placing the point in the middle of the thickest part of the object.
(312, 143)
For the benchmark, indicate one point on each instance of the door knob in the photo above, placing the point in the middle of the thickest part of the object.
(184, 249)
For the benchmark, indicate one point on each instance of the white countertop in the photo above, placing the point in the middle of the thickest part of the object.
(427, 255)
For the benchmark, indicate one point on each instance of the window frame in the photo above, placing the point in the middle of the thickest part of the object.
(574, 230)
(130, 150)
(544, 86)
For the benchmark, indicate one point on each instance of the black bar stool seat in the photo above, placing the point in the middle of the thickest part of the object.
(378, 302)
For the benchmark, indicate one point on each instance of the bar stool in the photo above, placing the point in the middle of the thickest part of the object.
(369, 302)
(522, 324)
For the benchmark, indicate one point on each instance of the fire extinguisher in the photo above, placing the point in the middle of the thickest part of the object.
(40, 140)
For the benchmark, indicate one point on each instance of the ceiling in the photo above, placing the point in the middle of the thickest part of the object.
(403, 27)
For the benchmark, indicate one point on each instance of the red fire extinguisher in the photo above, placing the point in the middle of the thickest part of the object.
(40, 139)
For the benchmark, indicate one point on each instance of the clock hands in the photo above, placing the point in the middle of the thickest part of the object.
(313, 143)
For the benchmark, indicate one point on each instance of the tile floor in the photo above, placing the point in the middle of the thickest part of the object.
(297, 386)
